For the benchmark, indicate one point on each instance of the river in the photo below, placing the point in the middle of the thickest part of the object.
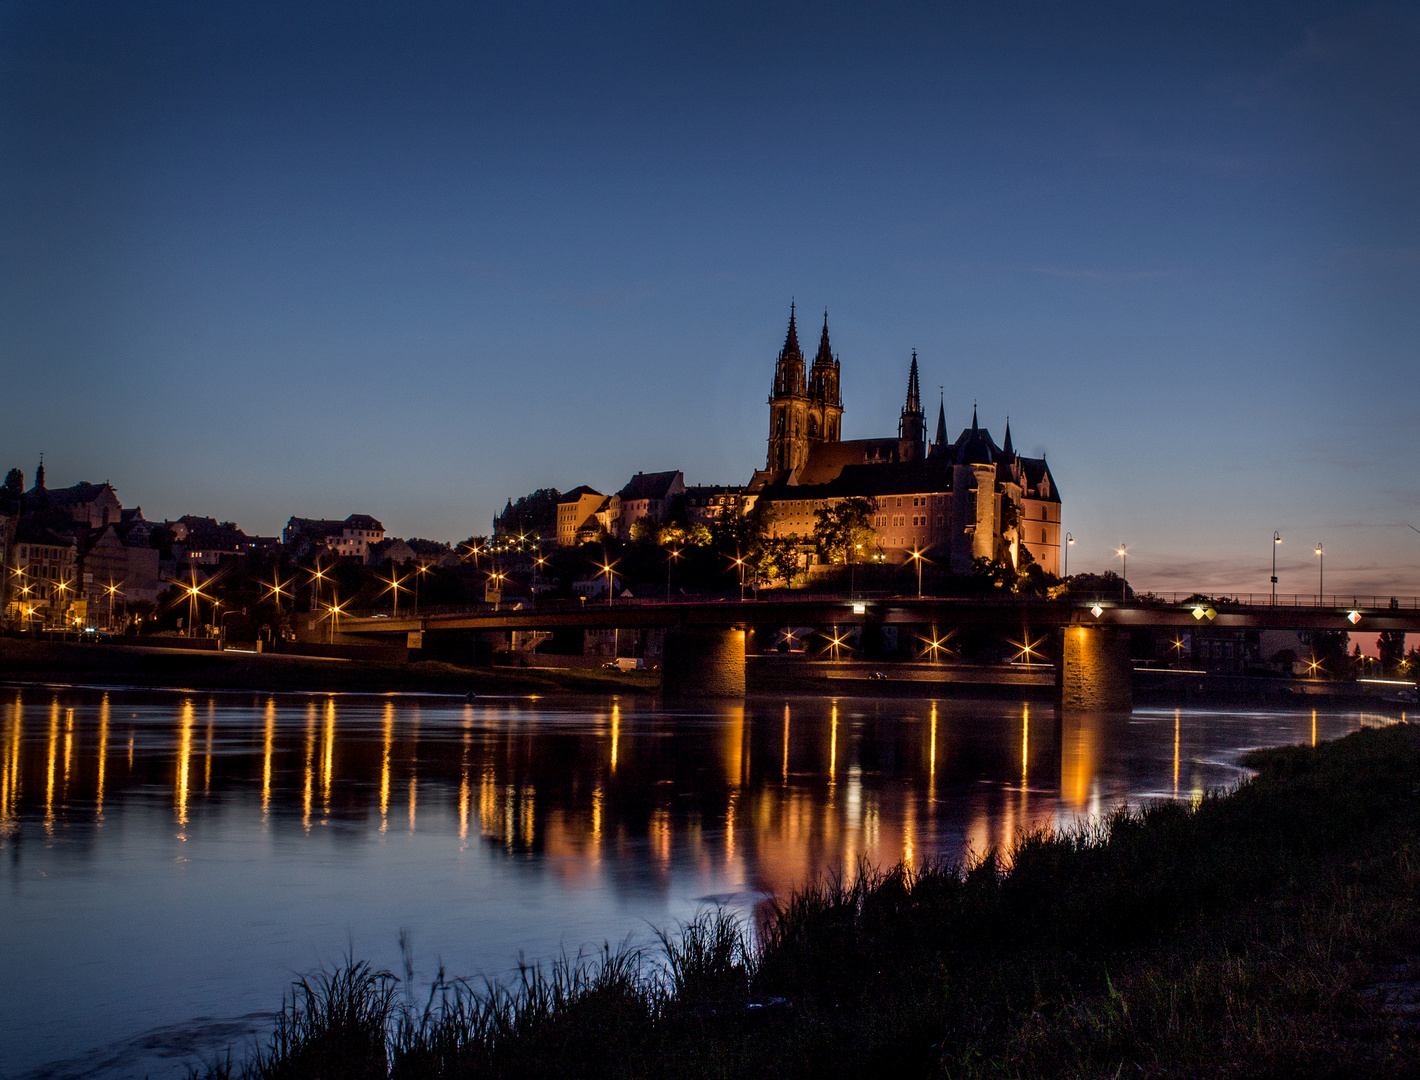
(170, 860)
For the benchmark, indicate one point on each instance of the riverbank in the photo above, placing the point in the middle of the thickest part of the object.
(25, 661)
(1269, 932)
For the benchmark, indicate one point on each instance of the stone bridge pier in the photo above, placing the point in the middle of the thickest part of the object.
(1095, 672)
(703, 661)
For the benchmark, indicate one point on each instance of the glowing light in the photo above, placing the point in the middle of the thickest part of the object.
(268, 746)
(184, 754)
(1096, 611)
(615, 730)
(1354, 617)
(936, 646)
(1027, 650)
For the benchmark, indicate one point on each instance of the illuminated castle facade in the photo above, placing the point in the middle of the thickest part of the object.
(954, 501)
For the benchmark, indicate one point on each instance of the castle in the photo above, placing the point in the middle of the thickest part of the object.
(954, 501)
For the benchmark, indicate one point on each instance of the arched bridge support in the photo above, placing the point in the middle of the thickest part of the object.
(703, 661)
(1094, 670)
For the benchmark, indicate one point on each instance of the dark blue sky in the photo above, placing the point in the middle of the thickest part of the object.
(265, 259)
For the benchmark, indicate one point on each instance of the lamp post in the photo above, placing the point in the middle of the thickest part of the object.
(1069, 543)
(1320, 576)
(419, 573)
(111, 588)
(672, 556)
(1123, 553)
(606, 567)
(916, 556)
(1276, 539)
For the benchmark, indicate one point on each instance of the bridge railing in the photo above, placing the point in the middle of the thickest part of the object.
(1219, 601)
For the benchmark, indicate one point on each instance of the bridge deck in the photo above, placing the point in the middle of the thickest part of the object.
(820, 611)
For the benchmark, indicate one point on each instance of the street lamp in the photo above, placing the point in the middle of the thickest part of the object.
(332, 611)
(275, 591)
(1069, 543)
(394, 584)
(1276, 539)
(194, 591)
(916, 556)
(422, 569)
(1123, 553)
(111, 588)
(1320, 579)
(740, 562)
(672, 557)
(606, 568)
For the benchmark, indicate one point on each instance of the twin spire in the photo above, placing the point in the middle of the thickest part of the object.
(821, 383)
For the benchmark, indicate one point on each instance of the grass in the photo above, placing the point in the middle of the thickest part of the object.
(1245, 936)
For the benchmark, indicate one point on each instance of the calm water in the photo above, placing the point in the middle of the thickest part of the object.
(168, 861)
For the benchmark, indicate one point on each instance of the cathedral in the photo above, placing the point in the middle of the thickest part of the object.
(954, 501)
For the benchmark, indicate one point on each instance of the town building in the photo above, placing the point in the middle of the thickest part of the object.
(43, 569)
(130, 567)
(956, 502)
(707, 505)
(351, 537)
(646, 496)
(576, 515)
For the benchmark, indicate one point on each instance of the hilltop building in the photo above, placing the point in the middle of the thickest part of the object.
(352, 537)
(956, 501)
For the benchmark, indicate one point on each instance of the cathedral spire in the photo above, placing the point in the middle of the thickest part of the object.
(973, 417)
(39, 474)
(825, 352)
(913, 427)
(1008, 450)
(791, 339)
(914, 393)
(941, 418)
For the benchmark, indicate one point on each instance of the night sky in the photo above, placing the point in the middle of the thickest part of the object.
(265, 259)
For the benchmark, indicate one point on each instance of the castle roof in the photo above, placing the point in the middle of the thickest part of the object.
(578, 493)
(649, 485)
(75, 495)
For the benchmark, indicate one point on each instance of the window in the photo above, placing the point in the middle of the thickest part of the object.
(1042, 536)
(899, 502)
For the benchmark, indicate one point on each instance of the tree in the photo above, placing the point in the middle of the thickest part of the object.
(535, 513)
(777, 557)
(1391, 646)
(1329, 652)
(13, 490)
(1106, 586)
(840, 530)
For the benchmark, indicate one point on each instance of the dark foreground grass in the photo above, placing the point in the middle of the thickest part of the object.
(1264, 933)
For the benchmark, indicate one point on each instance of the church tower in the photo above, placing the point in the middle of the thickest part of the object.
(788, 406)
(825, 401)
(912, 428)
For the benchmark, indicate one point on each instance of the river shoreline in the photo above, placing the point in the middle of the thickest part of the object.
(1267, 932)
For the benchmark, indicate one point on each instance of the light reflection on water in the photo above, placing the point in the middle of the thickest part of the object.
(174, 856)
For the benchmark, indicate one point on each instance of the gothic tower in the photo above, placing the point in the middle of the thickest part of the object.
(912, 429)
(825, 401)
(788, 405)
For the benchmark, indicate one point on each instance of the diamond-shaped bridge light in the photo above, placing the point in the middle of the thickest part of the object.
(1354, 617)
(1096, 611)
(1198, 613)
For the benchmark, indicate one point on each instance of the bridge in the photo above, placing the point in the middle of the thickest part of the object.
(706, 639)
